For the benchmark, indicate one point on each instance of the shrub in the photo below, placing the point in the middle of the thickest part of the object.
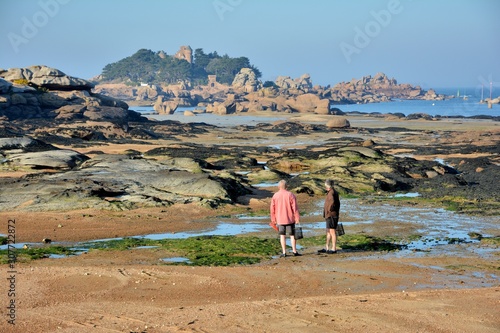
(23, 82)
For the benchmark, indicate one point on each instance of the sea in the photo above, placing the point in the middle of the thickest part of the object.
(465, 103)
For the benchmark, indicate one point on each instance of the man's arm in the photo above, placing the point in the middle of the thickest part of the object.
(295, 209)
(272, 211)
(337, 202)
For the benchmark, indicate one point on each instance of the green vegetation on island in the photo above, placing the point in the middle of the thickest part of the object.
(157, 67)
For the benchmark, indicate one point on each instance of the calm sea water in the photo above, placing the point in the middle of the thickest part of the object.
(457, 106)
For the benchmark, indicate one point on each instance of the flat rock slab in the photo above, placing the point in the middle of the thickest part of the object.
(23, 144)
(53, 159)
(363, 151)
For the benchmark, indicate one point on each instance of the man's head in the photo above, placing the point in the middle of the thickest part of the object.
(282, 184)
(329, 183)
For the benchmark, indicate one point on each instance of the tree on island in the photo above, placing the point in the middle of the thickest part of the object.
(158, 67)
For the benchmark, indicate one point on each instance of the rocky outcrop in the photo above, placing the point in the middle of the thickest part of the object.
(180, 173)
(246, 81)
(46, 77)
(354, 170)
(23, 144)
(43, 92)
(119, 182)
(232, 104)
(299, 95)
(309, 103)
(283, 95)
(224, 108)
(338, 122)
(302, 83)
(148, 93)
(378, 88)
(163, 106)
(5, 86)
(492, 101)
(55, 159)
(35, 154)
(185, 53)
(119, 91)
(266, 100)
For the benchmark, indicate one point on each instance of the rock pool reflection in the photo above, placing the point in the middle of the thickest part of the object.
(177, 260)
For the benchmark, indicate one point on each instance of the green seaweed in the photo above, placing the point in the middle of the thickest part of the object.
(213, 250)
(23, 255)
(223, 250)
(203, 250)
(495, 241)
(357, 242)
(126, 243)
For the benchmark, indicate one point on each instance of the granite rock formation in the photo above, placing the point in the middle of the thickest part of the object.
(27, 152)
(164, 106)
(302, 83)
(115, 182)
(378, 88)
(46, 77)
(285, 95)
(44, 92)
(246, 80)
(338, 122)
(185, 53)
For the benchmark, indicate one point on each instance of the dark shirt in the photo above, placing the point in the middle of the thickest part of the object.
(332, 204)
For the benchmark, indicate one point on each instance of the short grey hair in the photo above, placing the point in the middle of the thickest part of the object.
(329, 183)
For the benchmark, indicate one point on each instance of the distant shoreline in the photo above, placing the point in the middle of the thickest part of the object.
(263, 114)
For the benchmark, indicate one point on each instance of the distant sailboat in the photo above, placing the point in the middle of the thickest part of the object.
(464, 97)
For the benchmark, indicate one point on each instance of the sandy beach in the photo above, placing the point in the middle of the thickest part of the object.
(135, 291)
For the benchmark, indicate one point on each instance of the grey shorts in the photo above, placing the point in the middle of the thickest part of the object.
(286, 229)
(332, 222)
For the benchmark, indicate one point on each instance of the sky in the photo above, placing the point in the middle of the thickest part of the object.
(430, 43)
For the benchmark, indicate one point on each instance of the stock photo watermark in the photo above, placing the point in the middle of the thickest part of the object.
(31, 25)
(11, 272)
(223, 6)
(363, 36)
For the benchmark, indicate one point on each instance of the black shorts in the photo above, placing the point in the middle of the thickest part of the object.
(332, 222)
(286, 229)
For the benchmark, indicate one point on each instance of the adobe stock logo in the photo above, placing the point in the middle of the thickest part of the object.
(30, 26)
(223, 6)
(371, 30)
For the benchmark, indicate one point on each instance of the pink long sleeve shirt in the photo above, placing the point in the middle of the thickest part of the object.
(284, 208)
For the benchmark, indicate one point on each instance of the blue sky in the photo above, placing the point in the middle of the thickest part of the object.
(431, 43)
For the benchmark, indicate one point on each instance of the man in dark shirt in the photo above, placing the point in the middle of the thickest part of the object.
(331, 214)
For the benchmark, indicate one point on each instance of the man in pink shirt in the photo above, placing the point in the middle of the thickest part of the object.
(285, 213)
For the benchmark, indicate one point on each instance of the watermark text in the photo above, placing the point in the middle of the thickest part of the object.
(223, 6)
(11, 272)
(31, 25)
(364, 36)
